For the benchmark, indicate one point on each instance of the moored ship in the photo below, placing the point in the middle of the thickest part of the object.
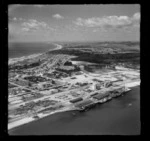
(102, 98)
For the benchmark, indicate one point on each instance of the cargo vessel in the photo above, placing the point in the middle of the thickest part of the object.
(101, 98)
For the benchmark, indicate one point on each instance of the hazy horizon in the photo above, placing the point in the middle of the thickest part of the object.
(68, 41)
(74, 23)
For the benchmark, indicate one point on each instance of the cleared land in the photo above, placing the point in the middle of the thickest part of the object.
(47, 83)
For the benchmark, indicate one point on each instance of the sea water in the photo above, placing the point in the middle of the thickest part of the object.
(16, 50)
(120, 116)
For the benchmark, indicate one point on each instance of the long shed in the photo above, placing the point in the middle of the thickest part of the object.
(84, 103)
(76, 100)
(100, 96)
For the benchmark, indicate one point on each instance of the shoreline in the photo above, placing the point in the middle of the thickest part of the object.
(30, 119)
(122, 114)
(19, 123)
(26, 119)
(14, 60)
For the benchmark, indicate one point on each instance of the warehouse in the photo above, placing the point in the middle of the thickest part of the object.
(85, 104)
(76, 100)
(100, 96)
(94, 94)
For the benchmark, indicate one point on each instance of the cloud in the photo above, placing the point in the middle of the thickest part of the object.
(21, 19)
(39, 6)
(14, 18)
(136, 16)
(95, 30)
(25, 29)
(12, 7)
(109, 21)
(58, 16)
(33, 25)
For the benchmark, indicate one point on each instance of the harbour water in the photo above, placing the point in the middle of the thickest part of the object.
(24, 49)
(120, 116)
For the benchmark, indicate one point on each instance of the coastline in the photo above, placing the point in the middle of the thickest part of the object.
(14, 60)
(27, 120)
(125, 120)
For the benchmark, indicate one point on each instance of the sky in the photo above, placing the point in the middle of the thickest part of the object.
(52, 23)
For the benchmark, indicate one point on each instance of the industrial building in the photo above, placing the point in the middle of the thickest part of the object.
(85, 104)
(76, 100)
(97, 86)
(94, 94)
(101, 96)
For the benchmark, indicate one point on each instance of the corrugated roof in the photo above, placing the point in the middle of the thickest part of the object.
(84, 103)
(77, 99)
(99, 96)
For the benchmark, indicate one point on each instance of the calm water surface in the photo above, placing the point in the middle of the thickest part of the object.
(120, 116)
(25, 49)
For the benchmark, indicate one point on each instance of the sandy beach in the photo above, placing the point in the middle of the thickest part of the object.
(27, 119)
(30, 119)
(14, 60)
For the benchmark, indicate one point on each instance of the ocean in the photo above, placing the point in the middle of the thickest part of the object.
(120, 116)
(16, 50)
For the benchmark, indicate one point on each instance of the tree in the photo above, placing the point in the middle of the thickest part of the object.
(29, 84)
(68, 63)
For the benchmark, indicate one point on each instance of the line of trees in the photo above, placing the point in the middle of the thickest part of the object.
(99, 58)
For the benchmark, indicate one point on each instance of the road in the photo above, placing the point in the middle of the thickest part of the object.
(51, 97)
